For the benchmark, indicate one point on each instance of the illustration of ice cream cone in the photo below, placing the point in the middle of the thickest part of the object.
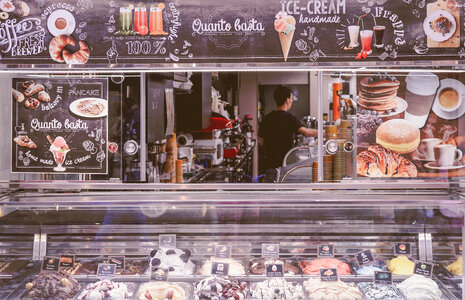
(284, 24)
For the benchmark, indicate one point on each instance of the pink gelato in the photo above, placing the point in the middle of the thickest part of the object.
(60, 143)
(284, 23)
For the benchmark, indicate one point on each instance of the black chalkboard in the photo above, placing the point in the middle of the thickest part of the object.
(46, 109)
(211, 31)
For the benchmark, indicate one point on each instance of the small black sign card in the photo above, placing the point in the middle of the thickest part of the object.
(423, 268)
(402, 249)
(220, 268)
(106, 270)
(66, 261)
(364, 257)
(325, 251)
(458, 249)
(328, 275)
(159, 274)
(383, 277)
(274, 270)
(222, 251)
(270, 251)
(50, 264)
(167, 241)
(119, 261)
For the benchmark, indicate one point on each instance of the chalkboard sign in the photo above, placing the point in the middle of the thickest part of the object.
(113, 33)
(59, 125)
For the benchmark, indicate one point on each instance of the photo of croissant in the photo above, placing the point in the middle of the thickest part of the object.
(59, 53)
(378, 161)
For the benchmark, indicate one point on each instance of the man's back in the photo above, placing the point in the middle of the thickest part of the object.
(278, 129)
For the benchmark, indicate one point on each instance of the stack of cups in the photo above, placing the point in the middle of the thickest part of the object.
(340, 161)
(331, 132)
(315, 171)
(328, 167)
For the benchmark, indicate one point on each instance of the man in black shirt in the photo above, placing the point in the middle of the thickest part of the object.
(278, 128)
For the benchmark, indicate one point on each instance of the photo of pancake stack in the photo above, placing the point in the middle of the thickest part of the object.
(410, 125)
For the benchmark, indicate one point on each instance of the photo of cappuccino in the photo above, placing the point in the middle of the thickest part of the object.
(447, 155)
(449, 99)
(448, 102)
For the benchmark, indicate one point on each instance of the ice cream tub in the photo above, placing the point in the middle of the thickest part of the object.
(161, 290)
(108, 289)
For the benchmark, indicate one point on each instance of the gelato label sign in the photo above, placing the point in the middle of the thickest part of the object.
(364, 257)
(423, 268)
(270, 251)
(228, 27)
(274, 270)
(328, 275)
(67, 261)
(106, 270)
(382, 277)
(119, 261)
(325, 251)
(167, 241)
(50, 264)
(222, 251)
(402, 249)
(220, 268)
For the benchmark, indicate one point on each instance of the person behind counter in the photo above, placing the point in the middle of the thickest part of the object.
(278, 128)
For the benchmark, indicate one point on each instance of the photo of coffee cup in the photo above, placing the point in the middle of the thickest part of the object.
(447, 155)
(449, 99)
(420, 93)
(426, 148)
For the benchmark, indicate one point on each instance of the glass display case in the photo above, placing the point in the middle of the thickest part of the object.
(367, 226)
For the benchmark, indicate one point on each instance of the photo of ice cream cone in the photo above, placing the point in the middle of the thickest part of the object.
(284, 24)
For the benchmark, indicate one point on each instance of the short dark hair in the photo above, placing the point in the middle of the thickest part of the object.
(281, 94)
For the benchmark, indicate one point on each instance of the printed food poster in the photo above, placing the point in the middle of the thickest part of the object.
(59, 125)
(87, 33)
(411, 125)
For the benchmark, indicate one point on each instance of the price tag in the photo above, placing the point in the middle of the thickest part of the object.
(423, 268)
(325, 251)
(220, 268)
(458, 249)
(402, 249)
(222, 251)
(50, 264)
(167, 241)
(274, 270)
(382, 277)
(66, 261)
(328, 275)
(364, 257)
(270, 251)
(106, 270)
(119, 261)
(159, 274)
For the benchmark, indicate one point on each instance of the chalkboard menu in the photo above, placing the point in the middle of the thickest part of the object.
(59, 125)
(88, 33)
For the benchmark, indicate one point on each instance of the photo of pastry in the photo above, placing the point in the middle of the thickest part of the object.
(15, 8)
(89, 107)
(58, 50)
(34, 93)
(442, 24)
(25, 141)
(285, 24)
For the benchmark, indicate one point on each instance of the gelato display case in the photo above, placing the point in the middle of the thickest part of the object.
(67, 237)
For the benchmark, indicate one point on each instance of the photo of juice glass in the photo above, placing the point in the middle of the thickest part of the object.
(353, 35)
(156, 20)
(140, 19)
(366, 37)
(125, 19)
